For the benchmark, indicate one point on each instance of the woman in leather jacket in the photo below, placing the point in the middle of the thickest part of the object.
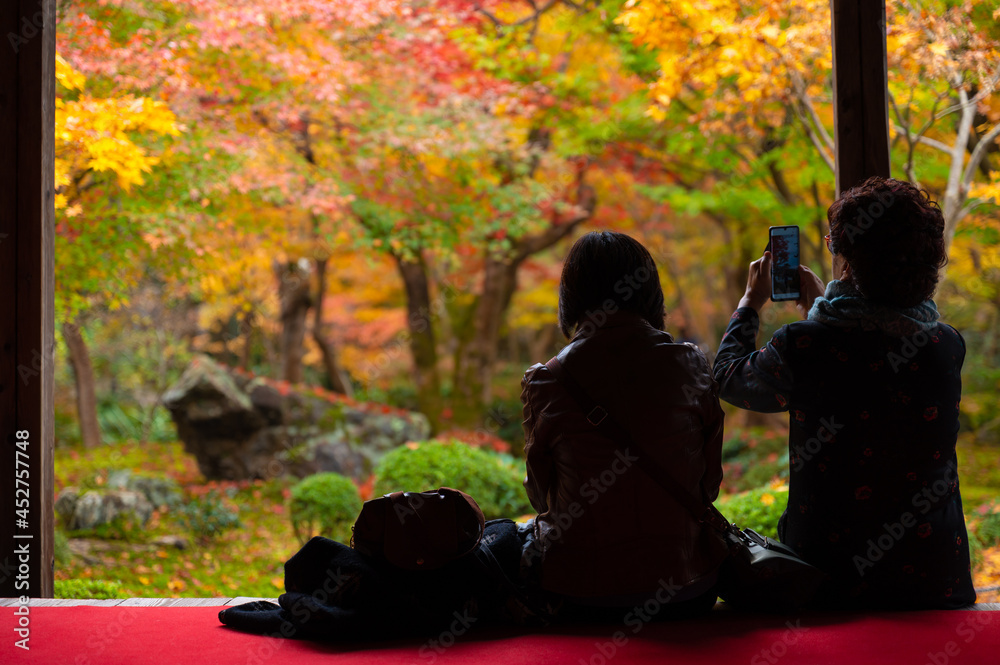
(608, 535)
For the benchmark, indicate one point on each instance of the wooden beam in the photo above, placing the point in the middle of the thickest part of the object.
(27, 233)
(860, 91)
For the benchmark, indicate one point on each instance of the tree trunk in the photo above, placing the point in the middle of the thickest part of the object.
(293, 291)
(477, 351)
(423, 347)
(246, 329)
(689, 329)
(477, 357)
(338, 381)
(954, 193)
(543, 343)
(86, 392)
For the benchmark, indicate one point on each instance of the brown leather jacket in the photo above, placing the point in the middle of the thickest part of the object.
(605, 528)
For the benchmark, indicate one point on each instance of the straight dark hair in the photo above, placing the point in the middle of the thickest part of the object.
(606, 271)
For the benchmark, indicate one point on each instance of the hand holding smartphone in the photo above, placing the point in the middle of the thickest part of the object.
(784, 247)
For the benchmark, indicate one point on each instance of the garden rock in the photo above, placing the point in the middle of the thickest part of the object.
(329, 452)
(66, 501)
(241, 427)
(159, 491)
(179, 542)
(96, 507)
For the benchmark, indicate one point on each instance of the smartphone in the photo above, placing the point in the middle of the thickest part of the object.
(784, 244)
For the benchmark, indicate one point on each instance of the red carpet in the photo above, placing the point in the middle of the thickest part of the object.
(193, 636)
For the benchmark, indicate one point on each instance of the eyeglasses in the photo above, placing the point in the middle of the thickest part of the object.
(827, 239)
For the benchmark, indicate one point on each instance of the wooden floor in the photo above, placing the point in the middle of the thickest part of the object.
(219, 602)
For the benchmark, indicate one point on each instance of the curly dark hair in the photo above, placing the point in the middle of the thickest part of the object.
(892, 236)
(606, 271)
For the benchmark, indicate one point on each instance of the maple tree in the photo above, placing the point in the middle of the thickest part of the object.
(96, 147)
(753, 79)
(457, 144)
(268, 76)
(465, 140)
(493, 196)
(379, 192)
(761, 66)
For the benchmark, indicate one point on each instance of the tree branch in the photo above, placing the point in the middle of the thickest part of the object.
(583, 209)
(979, 153)
(531, 18)
(825, 135)
(817, 132)
(532, 244)
(910, 143)
(815, 139)
(934, 143)
(985, 92)
(968, 208)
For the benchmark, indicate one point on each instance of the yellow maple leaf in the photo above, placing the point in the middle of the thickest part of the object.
(939, 49)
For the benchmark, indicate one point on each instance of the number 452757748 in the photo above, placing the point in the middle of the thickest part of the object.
(21, 476)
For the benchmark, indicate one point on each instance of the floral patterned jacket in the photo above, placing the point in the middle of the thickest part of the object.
(873, 481)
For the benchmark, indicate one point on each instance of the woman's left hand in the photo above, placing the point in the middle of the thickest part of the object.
(811, 287)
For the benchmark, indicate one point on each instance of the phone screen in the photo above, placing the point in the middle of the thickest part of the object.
(784, 262)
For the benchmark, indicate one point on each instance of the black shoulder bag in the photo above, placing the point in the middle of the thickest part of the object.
(760, 573)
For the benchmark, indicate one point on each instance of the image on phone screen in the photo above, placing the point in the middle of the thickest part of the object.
(784, 262)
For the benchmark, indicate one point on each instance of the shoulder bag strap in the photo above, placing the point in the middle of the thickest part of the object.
(599, 417)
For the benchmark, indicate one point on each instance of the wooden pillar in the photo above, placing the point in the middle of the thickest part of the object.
(27, 233)
(860, 91)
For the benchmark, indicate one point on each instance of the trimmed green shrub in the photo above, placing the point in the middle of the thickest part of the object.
(60, 548)
(493, 480)
(324, 504)
(988, 529)
(757, 509)
(88, 589)
(208, 517)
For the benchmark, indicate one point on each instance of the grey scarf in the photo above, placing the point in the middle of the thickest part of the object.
(842, 305)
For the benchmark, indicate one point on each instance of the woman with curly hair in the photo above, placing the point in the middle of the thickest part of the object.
(872, 383)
